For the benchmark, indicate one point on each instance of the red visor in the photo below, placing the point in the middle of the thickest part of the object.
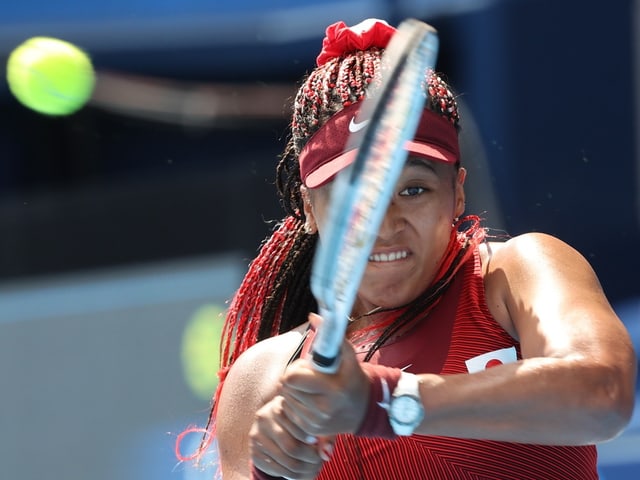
(327, 151)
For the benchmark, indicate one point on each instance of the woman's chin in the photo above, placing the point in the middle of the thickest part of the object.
(387, 296)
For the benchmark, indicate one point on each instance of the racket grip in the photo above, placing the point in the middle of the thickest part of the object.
(325, 350)
(325, 364)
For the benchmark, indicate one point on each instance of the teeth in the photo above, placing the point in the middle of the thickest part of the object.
(388, 257)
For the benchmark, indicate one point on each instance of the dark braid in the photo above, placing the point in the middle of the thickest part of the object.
(292, 285)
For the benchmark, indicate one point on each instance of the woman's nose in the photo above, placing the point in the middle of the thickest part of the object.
(392, 222)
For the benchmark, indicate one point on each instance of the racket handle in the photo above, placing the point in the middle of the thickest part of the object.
(325, 350)
(325, 364)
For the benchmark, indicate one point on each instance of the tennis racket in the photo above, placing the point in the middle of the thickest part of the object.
(361, 193)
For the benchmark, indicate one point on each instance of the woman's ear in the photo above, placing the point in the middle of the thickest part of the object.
(310, 224)
(460, 195)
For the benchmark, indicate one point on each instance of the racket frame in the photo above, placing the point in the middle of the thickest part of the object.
(361, 193)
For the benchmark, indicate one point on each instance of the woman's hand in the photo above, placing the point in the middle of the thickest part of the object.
(293, 434)
(281, 448)
(324, 404)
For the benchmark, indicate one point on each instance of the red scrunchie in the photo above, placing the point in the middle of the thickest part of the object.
(340, 39)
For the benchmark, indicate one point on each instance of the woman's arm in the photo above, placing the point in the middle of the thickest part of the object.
(575, 384)
(250, 384)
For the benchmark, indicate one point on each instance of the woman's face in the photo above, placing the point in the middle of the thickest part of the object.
(413, 236)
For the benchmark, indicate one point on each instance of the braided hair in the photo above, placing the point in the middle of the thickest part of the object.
(275, 294)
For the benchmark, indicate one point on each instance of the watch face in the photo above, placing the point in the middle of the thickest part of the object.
(406, 409)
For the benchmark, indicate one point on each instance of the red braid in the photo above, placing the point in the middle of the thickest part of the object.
(243, 320)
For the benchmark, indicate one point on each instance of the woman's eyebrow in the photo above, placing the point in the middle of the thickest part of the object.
(414, 161)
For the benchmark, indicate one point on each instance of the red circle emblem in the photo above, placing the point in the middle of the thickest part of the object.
(494, 362)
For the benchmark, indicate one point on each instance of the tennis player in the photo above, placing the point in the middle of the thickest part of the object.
(466, 356)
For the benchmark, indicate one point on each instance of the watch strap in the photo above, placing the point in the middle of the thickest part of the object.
(383, 380)
(408, 384)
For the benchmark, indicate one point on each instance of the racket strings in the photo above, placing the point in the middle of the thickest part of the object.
(384, 141)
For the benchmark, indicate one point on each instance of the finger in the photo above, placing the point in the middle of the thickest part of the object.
(301, 428)
(310, 418)
(275, 431)
(315, 320)
(290, 420)
(301, 376)
(325, 447)
(269, 458)
(263, 462)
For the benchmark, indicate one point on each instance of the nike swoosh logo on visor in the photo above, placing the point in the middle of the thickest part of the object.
(356, 127)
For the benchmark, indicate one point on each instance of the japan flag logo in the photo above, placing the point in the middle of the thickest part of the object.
(491, 359)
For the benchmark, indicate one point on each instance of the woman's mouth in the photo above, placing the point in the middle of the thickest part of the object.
(388, 257)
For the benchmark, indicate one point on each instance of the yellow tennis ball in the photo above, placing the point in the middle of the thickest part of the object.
(50, 76)
(200, 350)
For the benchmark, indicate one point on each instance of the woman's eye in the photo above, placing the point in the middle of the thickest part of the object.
(412, 191)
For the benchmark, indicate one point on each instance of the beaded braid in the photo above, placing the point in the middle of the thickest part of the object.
(328, 89)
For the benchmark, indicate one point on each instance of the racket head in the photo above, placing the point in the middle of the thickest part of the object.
(361, 193)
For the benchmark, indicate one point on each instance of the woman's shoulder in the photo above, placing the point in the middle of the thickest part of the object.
(523, 250)
(526, 251)
(251, 382)
(257, 369)
(529, 266)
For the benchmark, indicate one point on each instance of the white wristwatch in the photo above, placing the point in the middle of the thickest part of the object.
(405, 409)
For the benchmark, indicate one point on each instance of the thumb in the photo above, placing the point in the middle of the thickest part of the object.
(315, 320)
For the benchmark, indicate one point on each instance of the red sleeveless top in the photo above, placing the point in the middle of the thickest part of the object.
(458, 336)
